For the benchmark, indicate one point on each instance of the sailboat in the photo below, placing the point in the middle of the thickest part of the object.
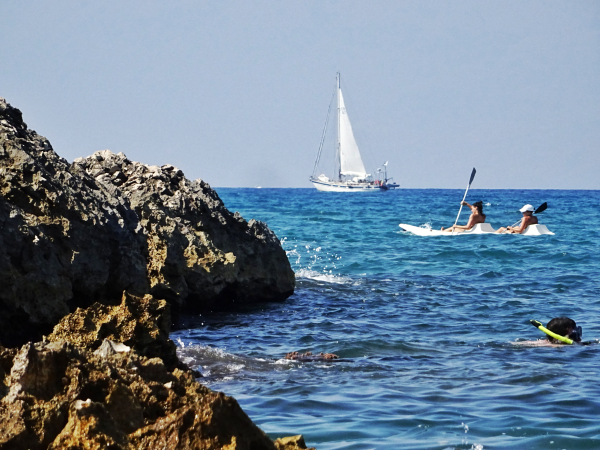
(350, 175)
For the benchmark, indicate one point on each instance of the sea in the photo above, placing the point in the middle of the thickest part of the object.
(433, 334)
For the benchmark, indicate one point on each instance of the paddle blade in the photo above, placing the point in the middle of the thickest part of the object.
(472, 176)
(541, 208)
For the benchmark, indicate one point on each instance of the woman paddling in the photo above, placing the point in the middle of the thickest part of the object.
(528, 219)
(477, 216)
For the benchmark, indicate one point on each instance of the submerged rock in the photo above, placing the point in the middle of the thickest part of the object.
(308, 356)
(75, 234)
(292, 443)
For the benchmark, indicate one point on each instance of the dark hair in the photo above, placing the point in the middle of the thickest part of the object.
(560, 326)
(479, 206)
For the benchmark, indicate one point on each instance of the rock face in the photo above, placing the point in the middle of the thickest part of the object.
(79, 389)
(74, 235)
(141, 324)
(62, 397)
(109, 239)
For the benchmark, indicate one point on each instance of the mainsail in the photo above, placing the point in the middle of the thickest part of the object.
(350, 160)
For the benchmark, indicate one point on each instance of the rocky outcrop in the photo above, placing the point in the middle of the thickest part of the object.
(121, 245)
(141, 324)
(308, 356)
(80, 389)
(197, 248)
(62, 397)
(75, 234)
(292, 443)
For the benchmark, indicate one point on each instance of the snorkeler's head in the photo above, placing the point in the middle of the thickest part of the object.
(566, 327)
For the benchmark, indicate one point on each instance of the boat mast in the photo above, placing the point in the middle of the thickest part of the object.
(339, 153)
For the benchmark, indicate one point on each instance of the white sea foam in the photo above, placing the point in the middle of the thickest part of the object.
(322, 276)
(235, 367)
(537, 343)
(217, 364)
(286, 362)
(293, 254)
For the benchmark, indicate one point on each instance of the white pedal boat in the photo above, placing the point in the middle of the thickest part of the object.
(480, 228)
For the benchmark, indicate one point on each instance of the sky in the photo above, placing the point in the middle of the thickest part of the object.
(237, 92)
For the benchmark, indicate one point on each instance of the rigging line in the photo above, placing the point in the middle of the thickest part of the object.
(323, 135)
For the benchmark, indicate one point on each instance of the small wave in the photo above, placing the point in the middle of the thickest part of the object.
(235, 367)
(286, 362)
(537, 343)
(216, 364)
(491, 274)
(322, 276)
(199, 354)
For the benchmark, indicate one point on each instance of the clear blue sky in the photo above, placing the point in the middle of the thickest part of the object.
(236, 92)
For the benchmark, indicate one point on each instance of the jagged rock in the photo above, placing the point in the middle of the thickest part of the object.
(64, 397)
(140, 323)
(75, 234)
(292, 443)
(109, 347)
(198, 248)
(79, 237)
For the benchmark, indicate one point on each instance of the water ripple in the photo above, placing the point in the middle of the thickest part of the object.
(433, 334)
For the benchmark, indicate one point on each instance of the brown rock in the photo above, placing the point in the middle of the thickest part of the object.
(90, 426)
(140, 323)
(292, 443)
(197, 248)
(78, 400)
(75, 234)
(308, 356)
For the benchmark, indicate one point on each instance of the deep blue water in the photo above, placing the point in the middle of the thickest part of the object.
(425, 325)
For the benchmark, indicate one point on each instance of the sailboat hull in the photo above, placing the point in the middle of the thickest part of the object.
(348, 187)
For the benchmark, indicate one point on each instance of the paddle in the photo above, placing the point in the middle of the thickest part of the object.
(465, 196)
(540, 208)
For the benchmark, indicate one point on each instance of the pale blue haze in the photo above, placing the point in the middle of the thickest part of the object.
(236, 92)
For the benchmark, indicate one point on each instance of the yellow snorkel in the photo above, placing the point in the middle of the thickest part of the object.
(540, 327)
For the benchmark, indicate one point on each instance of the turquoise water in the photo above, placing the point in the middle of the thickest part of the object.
(425, 325)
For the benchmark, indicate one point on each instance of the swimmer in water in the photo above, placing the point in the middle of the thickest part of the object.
(563, 326)
(559, 331)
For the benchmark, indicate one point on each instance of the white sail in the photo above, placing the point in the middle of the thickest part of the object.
(350, 160)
